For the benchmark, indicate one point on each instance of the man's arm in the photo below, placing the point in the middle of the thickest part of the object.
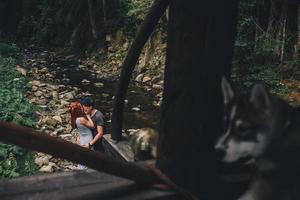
(98, 135)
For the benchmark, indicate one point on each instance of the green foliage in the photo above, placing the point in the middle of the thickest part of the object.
(245, 34)
(14, 161)
(14, 104)
(8, 49)
(268, 48)
(138, 8)
(268, 75)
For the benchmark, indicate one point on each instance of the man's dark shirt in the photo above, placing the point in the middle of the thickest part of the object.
(99, 120)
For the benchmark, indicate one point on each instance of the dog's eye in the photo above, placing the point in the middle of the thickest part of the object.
(245, 132)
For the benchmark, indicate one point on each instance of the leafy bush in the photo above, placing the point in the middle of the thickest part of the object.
(14, 161)
(268, 75)
(138, 8)
(267, 52)
(8, 49)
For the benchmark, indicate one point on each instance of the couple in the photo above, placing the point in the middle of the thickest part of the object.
(89, 122)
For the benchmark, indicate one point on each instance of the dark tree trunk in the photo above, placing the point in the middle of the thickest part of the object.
(262, 16)
(297, 46)
(200, 47)
(262, 13)
(91, 5)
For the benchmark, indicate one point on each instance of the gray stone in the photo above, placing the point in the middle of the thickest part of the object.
(146, 79)
(99, 85)
(139, 78)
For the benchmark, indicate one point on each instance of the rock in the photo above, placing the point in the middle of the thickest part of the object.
(146, 79)
(49, 121)
(55, 95)
(155, 79)
(35, 83)
(44, 107)
(108, 38)
(105, 95)
(66, 136)
(46, 168)
(125, 45)
(71, 167)
(156, 86)
(85, 82)
(137, 109)
(64, 103)
(34, 88)
(81, 66)
(38, 93)
(161, 82)
(41, 101)
(160, 94)
(139, 78)
(65, 80)
(99, 85)
(21, 70)
(40, 161)
(68, 96)
(58, 119)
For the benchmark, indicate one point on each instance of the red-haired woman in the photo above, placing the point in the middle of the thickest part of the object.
(83, 123)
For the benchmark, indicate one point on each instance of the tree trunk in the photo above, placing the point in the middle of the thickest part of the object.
(283, 37)
(200, 47)
(297, 46)
(262, 16)
(91, 6)
(104, 11)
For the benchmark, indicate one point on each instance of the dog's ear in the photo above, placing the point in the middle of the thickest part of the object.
(260, 97)
(227, 91)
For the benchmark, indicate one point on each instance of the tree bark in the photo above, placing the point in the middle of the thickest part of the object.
(297, 46)
(199, 52)
(104, 11)
(262, 16)
(91, 6)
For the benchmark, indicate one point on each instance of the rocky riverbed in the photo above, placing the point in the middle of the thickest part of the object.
(56, 81)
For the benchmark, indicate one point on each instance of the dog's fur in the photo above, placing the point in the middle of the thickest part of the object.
(264, 129)
(143, 143)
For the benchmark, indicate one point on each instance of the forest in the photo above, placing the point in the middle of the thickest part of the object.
(54, 51)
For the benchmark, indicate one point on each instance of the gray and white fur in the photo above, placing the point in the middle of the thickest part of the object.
(264, 129)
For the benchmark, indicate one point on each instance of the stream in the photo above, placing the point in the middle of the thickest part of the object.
(140, 109)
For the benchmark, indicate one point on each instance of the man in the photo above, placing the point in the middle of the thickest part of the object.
(99, 123)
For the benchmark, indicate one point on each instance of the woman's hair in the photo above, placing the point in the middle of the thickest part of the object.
(75, 108)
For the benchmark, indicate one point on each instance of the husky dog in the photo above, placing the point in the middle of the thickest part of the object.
(264, 129)
(143, 143)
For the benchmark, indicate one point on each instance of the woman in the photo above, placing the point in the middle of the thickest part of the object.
(83, 123)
